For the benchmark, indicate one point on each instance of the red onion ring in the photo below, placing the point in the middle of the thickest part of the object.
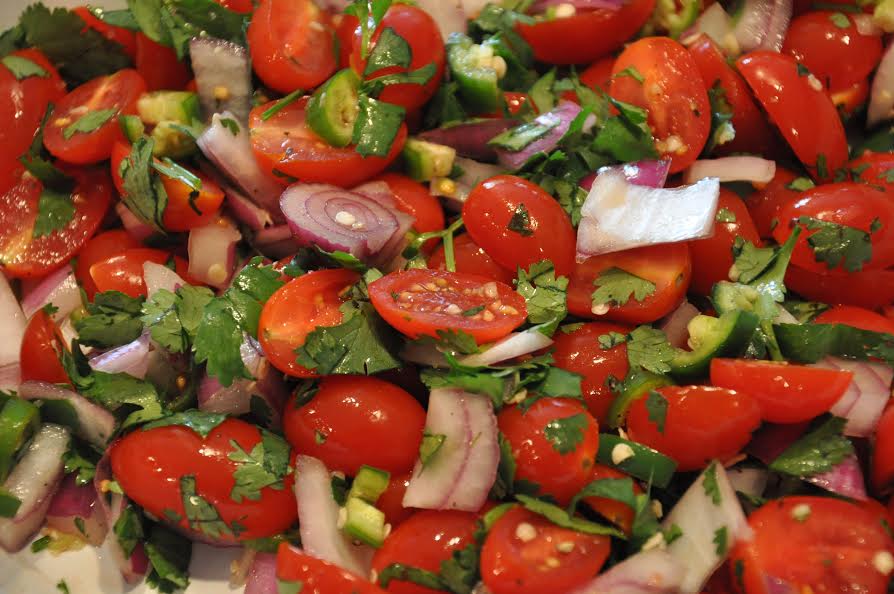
(559, 118)
(262, 575)
(131, 358)
(95, 424)
(77, 501)
(470, 138)
(59, 288)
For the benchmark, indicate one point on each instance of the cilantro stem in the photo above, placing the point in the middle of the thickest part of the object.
(281, 104)
(772, 343)
(449, 254)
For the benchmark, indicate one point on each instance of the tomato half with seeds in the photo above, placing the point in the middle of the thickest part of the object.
(470, 258)
(424, 541)
(701, 424)
(519, 224)
(285, 147)
(525, 553)
(554, 444)
(587, 35)
(84, 126)
(764, 205)
(309, 575)
(858, 206)
(292, 46)
(813, 544)
(357, 420)
(123, 272)
(163, 469)
(857, 317)
(580, 352)
(42, 345)
(799, 106)
(672, 92)
(24, 255)
(422, 302)
(668, 267)
(296, 309)
(785, 393)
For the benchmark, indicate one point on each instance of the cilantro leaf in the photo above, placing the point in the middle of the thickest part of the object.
(567, 433)
(112, 320)
(265, 466)
(202, 516)
(407, 573)
(521, 221)
(173, 318)
(201, 422)
(560, 517)
(174, 23)
(816, 452)
(615, 286)
(129, 529)
(837, 244)
(376, 127)
(55, 210)
(518, 138)
(78, 460)
(631, 72)
(370, 13)
(722, 130)
(648, 348)
(545, 295)
(89, 122)
(710, 485)
(721, 541)
(808, 343)
(144, 194)
(38, 162)
(656, 406)
(391, 50)
(611, 340)
(800, 184)
(616, 489)
(23, 68)
(460, 573)
(169, 555)
(627, 136)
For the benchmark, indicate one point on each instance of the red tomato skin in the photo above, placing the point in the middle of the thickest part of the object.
(838, 56)
(586, 36)
(510, 565)
(471, 259)
(179, 215)
(391, 502)
(416, 303)
(672, 92)
(870, 289)
(882, 461)
(414, 199)
(100, 248)
(803, 113)
(421, 32)
(119, 92)
(785, 393)
(123, 37)
(618, 513)
(317, 576)
(847, 203)
(25, 256)
(668, 266)
(159, 66)
(764, 204)
(702, 424)
(359, 420)
(491, 206)
(42, 344)
(579, 352)
(835, 545)
(291, 47)
(857, 317)
(712, 258)
(124, 272)
(753, 133)
(537, 459)
(872, 168)
(850, 99)
(425, 540)
(148, 464)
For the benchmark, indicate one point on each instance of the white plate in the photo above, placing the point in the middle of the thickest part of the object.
(89, 571)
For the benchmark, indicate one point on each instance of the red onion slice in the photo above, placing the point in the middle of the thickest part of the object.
(212, 252)
(95, 424)
(676, 325)
(245, 211)
(514, 345)
(223, 76)
(262, 575)
(59, 288)
(865, 399)
(462, 471)
(73, 502)
(276, 242)
(845, 479)
(763, 24)
(10, 376)
(618, 215)
(13, 323)
(881, 98)
(111, 506)
(382, 194)
(716, 24)
(730, 169)
(559, 119)
(33, 481)
(647, 572)
(699, 518)
(470, 138)
(318, 519)
(137, 228)
(131, 358)
(159, 276)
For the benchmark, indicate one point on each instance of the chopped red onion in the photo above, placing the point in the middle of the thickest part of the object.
(95, 424)
(33, 481)
(159, 276)
(137, 228)
(470, 138)
(881, 98)
(865, 399)
(455, 191)
(676, 325)
(541, 6)
(559, 119)
(716, 24)
(73, 501)
(763, 24)
(131, 358)
(245, 211)
(647, 572)
(223, 76)
(381, 193)
(730, 169)
(699, 517)
(234, 157)
(276, 242)
(460, 474)
(514, 345)
(652, 174)
(318, 514)
(212, 252)
(845, 479)
(59, 288)
(618, 215)
(13, 322)
(262, 575)
(134, 567)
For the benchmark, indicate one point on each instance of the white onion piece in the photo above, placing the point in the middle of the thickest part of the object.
(763, 24)
(730, 169)
(716, 23)
(866, 25)
(10, 376)
(845, 479)
(223, 76)
(33, 481)
(131, 358)
(234, 157)
(514, 345)
(95, 424)
(647, 572)
(318, 519)
(59, 288)
(618, 215)
(212, 252)
(159, 276)
(448, 14)
(13, 323)
(262, 575)
(72, 502)
(112, 505)
(134, 226)
(873, 384)
(456, 191)
(751, 481)
(676, 325)
(881, 98)
(423, 354)
(699, 519)
(461, 473)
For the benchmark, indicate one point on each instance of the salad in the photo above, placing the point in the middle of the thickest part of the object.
(531, 297)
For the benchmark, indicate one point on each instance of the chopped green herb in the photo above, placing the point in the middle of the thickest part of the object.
(800, 184)
(281, 104)
(721, 541)
(201, 422)
(40, 544)
(631, 72)
(615, 287)
(816, 452)
(562, 518)
(143, 195)
(567, 433)
(710, 485)
(431, 443)
(89, 122)
(23, 68)
(414, 575)
(648, 348)
(837, 244)
(202, 515)
(112, 320)
(611, 340)
(656, 405)
(55, 210)
(725, 215)
(377, 126)
(521, 221)
(174, 23)
(169, 556)
(545, 295)
(840, 20)
(266, 466)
